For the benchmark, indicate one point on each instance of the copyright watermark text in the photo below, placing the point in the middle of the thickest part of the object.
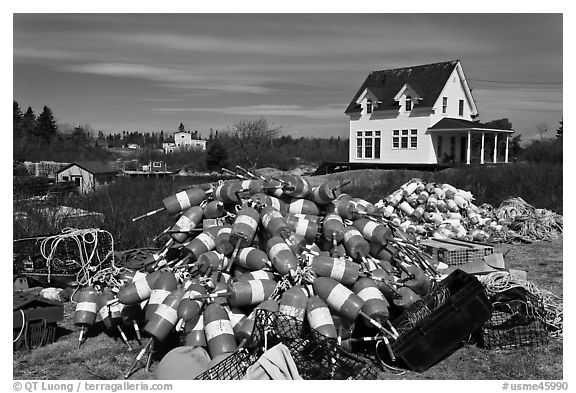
(528, 386)
(89, 386)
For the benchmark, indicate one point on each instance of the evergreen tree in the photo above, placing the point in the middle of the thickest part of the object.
(46, 125)
(28, 122)
(559, 131)
(17, 113)
(216, 155)
(181, 128)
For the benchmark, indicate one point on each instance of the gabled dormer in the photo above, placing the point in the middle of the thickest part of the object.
(367, 102)
(408, 97)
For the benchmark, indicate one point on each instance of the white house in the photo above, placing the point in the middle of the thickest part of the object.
(183, 140)
(417, 115)
(88, 176)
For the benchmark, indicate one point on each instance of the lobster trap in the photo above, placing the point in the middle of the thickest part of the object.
(517, 321)
(455, 252)
(63, 259)
(316, 356)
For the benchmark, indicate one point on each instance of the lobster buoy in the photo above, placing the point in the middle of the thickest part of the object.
(338, 269)
(333, 228)
(237, 318)
(405, 298)
(385, 253)
(178, 202)
(295, 186)
(228, 192)
(132, 315)
(251, 292)
(408, 189)
(245, 328)
(214, 209)
(86, 309)
(283, 259)
(325, 193)
(218, 329)
(431, 203)
(303, 227)
(194, 329)
(267, 200)
(423, 197)
(204, 242)
(331, 248)
(375, 304)
(319, 317)
(255, 275)
(244, 228)
(338, 297)
(253, 186)
(372, 231)
(384, 282)
(212, 259)
(222, 240)
(163, 286)
(189, 219)
(273, 222)
(138, 290)
(420, 283)
(302, 206)
(273, 187)
(293, 303)
(189, 308)
(355, 244)
(252, 258)
(165, 316)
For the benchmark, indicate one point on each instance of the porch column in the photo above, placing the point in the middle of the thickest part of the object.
(468, 149)
(506, 154)
(495, 146)
(482, 151)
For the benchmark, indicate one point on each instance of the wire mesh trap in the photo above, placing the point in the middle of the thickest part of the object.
(517, 321)
(316, 356)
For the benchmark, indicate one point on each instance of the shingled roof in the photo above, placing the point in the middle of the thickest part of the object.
(94, 167)
(427, 79)
(450, 123)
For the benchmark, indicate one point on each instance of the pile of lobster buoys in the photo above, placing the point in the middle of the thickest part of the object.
(435, 210)
(319, 255)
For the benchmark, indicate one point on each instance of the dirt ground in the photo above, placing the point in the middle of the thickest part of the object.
(105, 357)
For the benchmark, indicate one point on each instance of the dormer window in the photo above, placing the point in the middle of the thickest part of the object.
(369, 106)
(408, 104)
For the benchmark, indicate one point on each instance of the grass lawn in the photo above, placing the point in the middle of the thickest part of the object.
(106, 357)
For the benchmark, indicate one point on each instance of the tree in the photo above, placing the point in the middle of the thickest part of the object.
(502, 124)
(181, 128)
(46, 125)
(17, 113)
(254, 138)
(216, 155)
(28, 122)
(559, 130)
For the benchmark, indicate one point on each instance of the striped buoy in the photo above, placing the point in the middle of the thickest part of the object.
(214, 209)
(319, 317)
(222, 240)
(228, 192)
(245, 328)
(325, 193)
(165, 316)
(218, 329)
(273, 222)
(255, 275)
(295, 186)
(282, 258)
(188, 220)
(252, 258)
(211, 259)
(251, 292)
(355, 244)
(338, 297)
(375, 304)
(338, 269)
(86, 309)
(267, 200)
(333, 228)
(139, 289)
(194, 330)
(302, 206)
(373, 231)
(303, 227)
(165, 284)
(204, 242)
(189, 308)
(244, 227)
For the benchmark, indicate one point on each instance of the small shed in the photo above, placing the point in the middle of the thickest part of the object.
(34, 320)
(88, 176)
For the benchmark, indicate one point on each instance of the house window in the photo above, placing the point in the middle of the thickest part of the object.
(413, 139)
(368, 144)
(444, 104)
(439, 144)
(408, 104)
(395, 139)
(65, 178)
(369, 106)
(157, 164)
(377, 140)
(359, 144)
(76, 180)
(461, 108)
(404, 140)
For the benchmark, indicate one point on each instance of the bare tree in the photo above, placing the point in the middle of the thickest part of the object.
(253, 137)
(542, 129)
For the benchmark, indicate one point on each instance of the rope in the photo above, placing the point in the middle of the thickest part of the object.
(498, 282)
(90, 261)
(22, 328)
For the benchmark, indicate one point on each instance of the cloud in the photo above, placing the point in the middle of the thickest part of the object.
(321, 112)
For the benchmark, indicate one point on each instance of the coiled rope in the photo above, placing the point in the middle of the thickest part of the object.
(90, 260)
(498, 282)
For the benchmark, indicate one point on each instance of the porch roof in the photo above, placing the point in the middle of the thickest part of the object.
(452, 124)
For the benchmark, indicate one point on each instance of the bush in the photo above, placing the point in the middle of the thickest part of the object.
(547, 150)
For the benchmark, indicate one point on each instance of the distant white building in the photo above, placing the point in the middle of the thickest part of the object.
(183, 140)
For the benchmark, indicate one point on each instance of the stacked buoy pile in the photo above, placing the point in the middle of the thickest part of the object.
(275, 243)
(431, 210)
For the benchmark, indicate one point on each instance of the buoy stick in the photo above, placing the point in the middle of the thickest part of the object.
(82, 331)
(378, 325)
(334, 245)
(124, 337)
(247, 172)
(389, 349)
(233, 173)
(392, 328)
(137, 330)
(149, 360)
(236, 248)
(340, 185)
(148, 214)
(140, 355)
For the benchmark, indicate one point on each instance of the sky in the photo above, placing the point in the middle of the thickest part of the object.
(150, 72)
